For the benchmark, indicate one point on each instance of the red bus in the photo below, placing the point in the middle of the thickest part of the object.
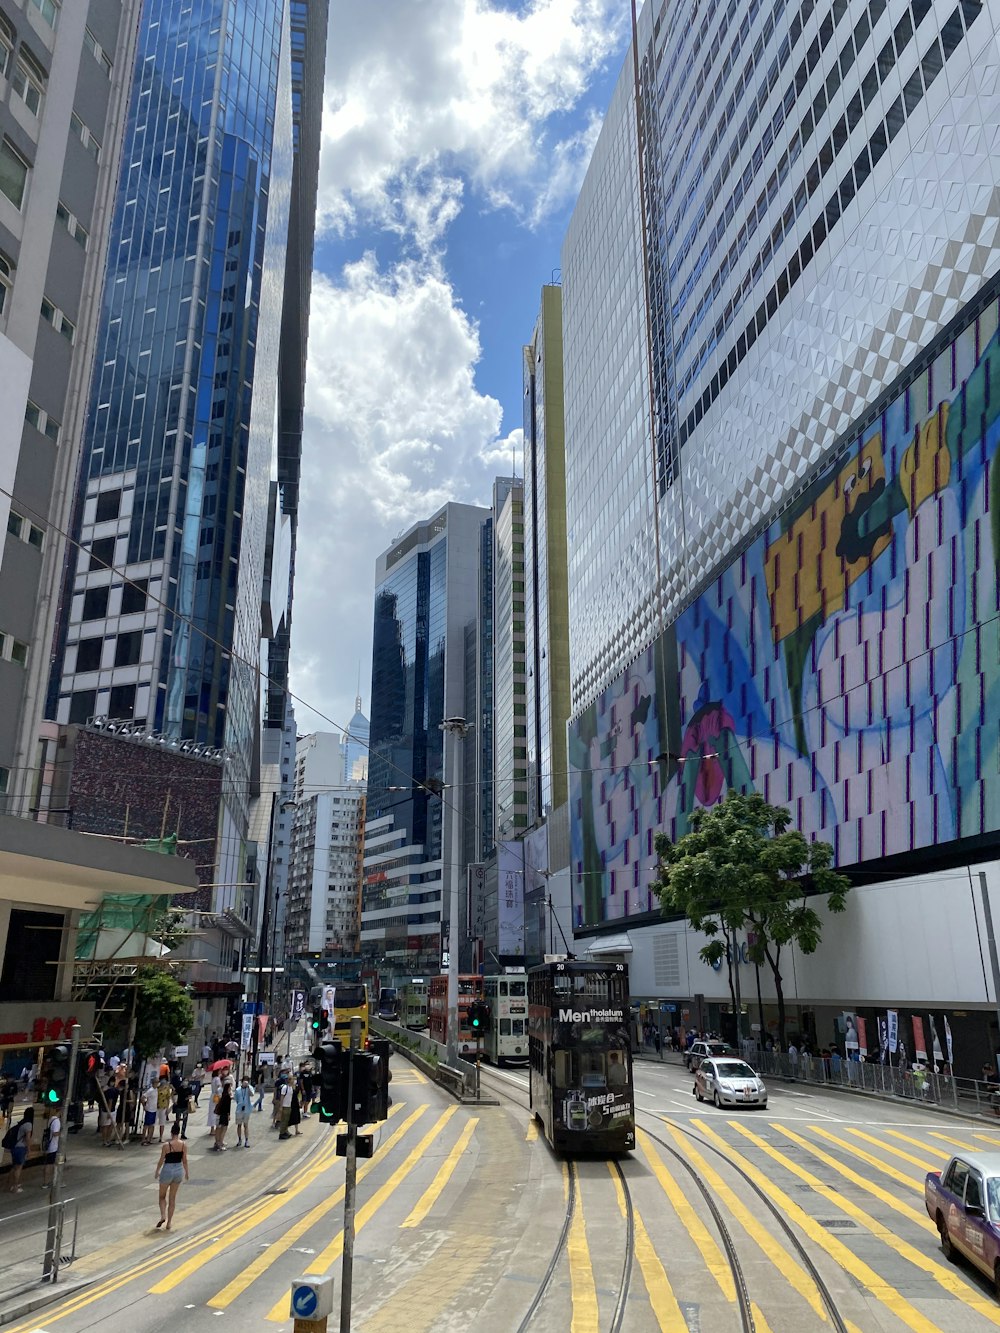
(470, 987)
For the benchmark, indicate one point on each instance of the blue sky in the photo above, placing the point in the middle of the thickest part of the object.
(456, 134)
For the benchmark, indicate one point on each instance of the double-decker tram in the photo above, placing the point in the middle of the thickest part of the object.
(579, 1055)
(413, 1005)
(470, 987)
(507, 1032)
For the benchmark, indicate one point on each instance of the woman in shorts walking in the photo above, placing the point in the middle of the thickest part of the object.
(171, 1169)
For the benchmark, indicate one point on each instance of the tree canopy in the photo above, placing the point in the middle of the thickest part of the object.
(164, 1012)
(741, 867)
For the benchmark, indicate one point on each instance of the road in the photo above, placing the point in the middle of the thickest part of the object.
(461, 1209)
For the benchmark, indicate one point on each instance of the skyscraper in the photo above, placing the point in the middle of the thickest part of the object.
(426, 596)
(510, 745)
(355, 746)
(780, 320)
(66, 75)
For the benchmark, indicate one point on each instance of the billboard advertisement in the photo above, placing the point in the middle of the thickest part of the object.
(510, 900)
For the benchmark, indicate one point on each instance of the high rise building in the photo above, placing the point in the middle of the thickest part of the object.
(510, 745)
(427, 594)
(355, 746)
(65, 73)
(780, 322)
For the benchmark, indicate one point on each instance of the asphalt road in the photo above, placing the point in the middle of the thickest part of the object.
(462, 1209)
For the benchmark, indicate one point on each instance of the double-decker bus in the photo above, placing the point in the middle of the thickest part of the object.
(579, 1055)
(413, 1005)
(344, 1001)
(507, 1034)
(470, 987)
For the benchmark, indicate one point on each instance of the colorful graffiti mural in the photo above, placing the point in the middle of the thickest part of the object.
(846, 664)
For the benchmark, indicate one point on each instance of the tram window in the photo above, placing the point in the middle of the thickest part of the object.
(516, 987)
(505, 1027)
(563, 1069)
(517, 1027)
(502, 988)
(592, 1071)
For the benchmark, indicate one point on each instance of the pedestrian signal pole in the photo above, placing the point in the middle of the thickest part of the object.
(53, 1241)
(350, 1185)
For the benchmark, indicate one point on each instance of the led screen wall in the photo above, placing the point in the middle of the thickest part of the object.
(846, 664)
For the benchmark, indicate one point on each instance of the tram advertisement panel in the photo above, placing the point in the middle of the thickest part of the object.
(591, 1067)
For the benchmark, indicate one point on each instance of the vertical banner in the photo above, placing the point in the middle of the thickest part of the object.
(883, 1038)
(246, 1031)
(937, 1055)
(850, 1035)
(510, 900)
(476, 892)
(947, 1042)
(919, 1044)
(862, 1027)
(892, 1019)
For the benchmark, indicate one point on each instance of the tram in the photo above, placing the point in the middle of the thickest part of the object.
(579, 1055)
(413, 1005)
(470, 987)
(507, 1034)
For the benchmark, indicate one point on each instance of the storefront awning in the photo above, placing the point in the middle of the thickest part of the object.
(608, 944)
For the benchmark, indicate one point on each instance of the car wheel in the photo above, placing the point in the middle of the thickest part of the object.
(717, 1102)
(947, 1249)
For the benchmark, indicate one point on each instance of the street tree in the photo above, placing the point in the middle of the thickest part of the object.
(741, 867)
(164, 1013)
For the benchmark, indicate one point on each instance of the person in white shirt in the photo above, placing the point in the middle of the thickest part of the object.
(286, 1107)
(149, 1099)
(213, 1102)
(793, 1058)
(50, 1143)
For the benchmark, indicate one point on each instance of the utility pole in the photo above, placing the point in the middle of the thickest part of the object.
(350, 1186)
(455, 729)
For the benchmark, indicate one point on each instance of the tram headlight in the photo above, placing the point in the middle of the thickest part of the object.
(595, 1117)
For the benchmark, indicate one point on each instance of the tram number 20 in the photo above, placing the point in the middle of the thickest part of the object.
(630, 1138)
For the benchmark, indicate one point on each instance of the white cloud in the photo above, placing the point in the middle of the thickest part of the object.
(416, 88)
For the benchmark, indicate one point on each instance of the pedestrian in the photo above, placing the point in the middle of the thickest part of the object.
(206, 1053)
(171, 1169)
(164, 1096)
(216, 1093)
(244, 1109)
(793, 1059)
(295, 1111)
(197, 1079)
(287, 1093)
(149, 1100)
(261, 1074)
(106, 1115)
(182, 1101)
(276, 1097)
(222, 1114)
(19, 1149)
(8, 1091)
(50, 1145)
(306, 1080)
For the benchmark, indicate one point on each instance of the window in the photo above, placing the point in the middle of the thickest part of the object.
(54, 316)
(13, 173)
(88, 140)
(19, 527)
(49, 10)
(41, 421)
(73, 225)
(82, 705)
(88, 654)
(108, 506)
(36, 537)
(33, 415)
(102, 553)
(122, 701)
(134, 596)
(14, 649)
(28, 81)
(128, 649)
(14, 524)
(95, 603)
(97, 51)
(6, 281)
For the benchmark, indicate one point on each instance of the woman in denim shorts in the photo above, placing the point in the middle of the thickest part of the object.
(171, 1169)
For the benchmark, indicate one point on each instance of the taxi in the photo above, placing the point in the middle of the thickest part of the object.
(963, 1202)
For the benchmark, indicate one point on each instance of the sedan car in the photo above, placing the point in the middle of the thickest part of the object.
(728, 1082)
(963, 1202)
(699, 1050)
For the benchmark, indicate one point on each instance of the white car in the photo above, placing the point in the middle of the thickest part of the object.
(729, 1082)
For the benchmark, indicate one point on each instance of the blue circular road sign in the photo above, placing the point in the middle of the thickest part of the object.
(304, 1302)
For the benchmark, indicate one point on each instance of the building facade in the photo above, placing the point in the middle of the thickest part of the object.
(781, 584)
(65, 75)
(324, 882)
(510, 744)
(427, 595)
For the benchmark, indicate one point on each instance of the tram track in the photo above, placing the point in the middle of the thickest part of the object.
(512, 1086)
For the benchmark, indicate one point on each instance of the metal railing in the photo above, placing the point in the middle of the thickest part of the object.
(430, 1049)
(37, 1244)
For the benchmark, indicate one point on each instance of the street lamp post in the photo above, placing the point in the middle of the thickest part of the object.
(455, 728)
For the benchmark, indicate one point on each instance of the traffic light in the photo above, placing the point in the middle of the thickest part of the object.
(320, 1017)
(379, 1077)
(479, 1017)
(332, 1082)
(55, 1076)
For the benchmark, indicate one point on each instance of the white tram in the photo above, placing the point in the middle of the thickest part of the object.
(507, 1034)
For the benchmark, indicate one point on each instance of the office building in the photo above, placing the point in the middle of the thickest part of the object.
(324, 883)
(780, 321)
(354, 746)
(510, 745)
(65, 74)
(427, 594)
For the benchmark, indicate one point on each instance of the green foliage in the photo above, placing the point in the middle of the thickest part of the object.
(164, 1012)
(741, 867)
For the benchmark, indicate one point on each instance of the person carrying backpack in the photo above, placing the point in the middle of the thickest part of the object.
(17, 1141)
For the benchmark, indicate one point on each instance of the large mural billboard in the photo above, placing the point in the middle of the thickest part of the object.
(846, 664)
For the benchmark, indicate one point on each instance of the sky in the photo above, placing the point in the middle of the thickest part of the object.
(456, 134)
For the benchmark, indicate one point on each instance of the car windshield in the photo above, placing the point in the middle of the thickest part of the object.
(993, 1197)
(733, 1069)
(716, 1048)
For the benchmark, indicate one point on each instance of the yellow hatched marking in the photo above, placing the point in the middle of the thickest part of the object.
(658, 1289)
(880, 1289)
(947, 1138)
(583, 1290)
(224, 1298)
(279, 1311)
(758, 1318)
(987, 1138)
(445, 1172)
(531, 1133)
(714, 1259)
(917, 1143)
(791, 1271)
(234, 1233)
(945, 1277)
(900, 1177)
(896, 1152)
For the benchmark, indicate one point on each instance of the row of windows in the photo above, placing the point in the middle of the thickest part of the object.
(121, 705)
(95, 600)
(14, 169)
(25, 531)
(54, 316)
(13, 650)
(128, 651)
(42, 422)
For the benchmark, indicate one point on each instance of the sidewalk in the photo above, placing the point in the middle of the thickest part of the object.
(117, 1195)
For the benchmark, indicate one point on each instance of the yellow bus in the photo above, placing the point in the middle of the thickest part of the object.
(346, 1000)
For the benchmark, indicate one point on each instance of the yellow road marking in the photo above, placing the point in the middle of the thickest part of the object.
(447, 1167)
(583, 1290)
(946, 1138)
(896, 1152)
(532, 1131)
(987, 1138)
(791, 1271)
(927, 1147)
(279, 1311)
(758, 1318)
(658, 1289)
(945, 1277)
(267, 1257)
(880, 1289)
(900, 1177)
(96, 1293)
(714, 1259)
